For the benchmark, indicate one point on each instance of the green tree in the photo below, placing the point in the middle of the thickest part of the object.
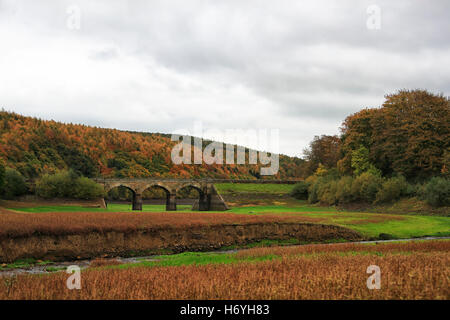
(366, 186)
(361, 163)
(437, 192)
(86, 188)
(300, 190)
(360, 160)
(14, 184)
(392, 189)
(67, 184)
(2, 175)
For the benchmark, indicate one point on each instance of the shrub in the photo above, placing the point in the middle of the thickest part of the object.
(300, 190)
(322, 189)
(327, 193)
(386, 236)
(2, 175)
(392, 189)
(344, 190)
(58, 185)
(437, 192)
(314, 188)
(412, 190)
(67, 184)
(86, 188)
(366, 186)
(14, 184)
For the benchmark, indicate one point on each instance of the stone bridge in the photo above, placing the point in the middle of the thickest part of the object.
(208, 199)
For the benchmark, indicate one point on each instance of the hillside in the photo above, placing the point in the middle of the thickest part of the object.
(34, 147)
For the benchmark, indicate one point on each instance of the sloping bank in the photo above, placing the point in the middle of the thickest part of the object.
(163, 239)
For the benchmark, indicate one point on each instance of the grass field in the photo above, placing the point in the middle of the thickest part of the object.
(268, 270)
(239, 188)
(409, 270)
(112, 207)
(369, 224)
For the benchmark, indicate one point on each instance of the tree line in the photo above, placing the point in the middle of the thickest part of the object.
(382, 154)
(36, 147)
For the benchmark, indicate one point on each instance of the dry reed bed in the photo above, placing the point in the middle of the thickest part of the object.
(15, 225)
(424, 274)
(425, 246)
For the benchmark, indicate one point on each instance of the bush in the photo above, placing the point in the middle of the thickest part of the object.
(366, 186)
(67, 184)
(58, 185)
(437, 192)
(86, 188)
(344, 190)
(327, 193)
(314, 188)
(14, 184)
(413, 190)
(2, 175)
(300, 190)
(323, 190)
(392, 189)
(386, 236)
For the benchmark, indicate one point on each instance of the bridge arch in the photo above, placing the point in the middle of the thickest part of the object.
(109, 186)
(136, 201)
(171, 204)
(202, 202)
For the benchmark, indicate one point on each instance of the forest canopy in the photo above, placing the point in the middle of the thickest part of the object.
(36, 147)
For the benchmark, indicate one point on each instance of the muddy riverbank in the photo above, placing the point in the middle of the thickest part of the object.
(164, 239)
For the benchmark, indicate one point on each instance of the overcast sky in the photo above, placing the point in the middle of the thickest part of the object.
(159, 66)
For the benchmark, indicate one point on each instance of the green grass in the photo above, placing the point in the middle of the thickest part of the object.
(273, 188)
(55, 269)
(24, 263)
(113, 207)
(264, 243)
(205, 258)
(300, 206)
(197, 258)
(410, 226)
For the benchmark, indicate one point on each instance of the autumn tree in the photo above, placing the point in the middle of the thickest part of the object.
(416, 132)
(408, 135)
(36, 147)
(322, 150)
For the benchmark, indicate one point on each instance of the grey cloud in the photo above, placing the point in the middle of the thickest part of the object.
(105, 54)
(302, 61)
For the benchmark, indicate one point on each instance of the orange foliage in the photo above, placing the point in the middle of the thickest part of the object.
(35, 146)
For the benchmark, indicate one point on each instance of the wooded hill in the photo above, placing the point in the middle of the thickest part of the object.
(35, 147)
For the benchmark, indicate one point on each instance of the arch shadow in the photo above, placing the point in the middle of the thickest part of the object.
(171, 204)
(136, 200)
(202, 203)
